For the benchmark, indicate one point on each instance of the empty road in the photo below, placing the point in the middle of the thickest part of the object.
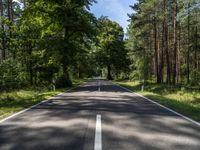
(98, 116)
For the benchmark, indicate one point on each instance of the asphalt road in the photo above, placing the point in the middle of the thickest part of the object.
(98, 116)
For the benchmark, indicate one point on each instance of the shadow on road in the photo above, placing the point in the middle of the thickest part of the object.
(67, 122)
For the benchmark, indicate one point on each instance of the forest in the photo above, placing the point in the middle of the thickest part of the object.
(47, 41)
(164, 40)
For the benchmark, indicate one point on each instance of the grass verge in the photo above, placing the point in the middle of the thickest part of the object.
(182, 100)
(11, 102)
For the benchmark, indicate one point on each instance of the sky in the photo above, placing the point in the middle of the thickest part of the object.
(116, 10)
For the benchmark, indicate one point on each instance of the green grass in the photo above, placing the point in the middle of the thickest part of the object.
(11, 102)
(182, 100)
(79, 81)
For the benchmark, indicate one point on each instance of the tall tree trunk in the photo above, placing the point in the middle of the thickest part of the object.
(165, 41)
(178, 55)
(188, 51)
(10, 18)
(161, 59)
(196, 47)
(156, 52)
(196, 43)
(64, 61)
(175, 41)
(9, 10)
(3, 43)
(167, 54)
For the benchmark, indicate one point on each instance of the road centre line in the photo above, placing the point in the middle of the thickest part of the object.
(98, 135)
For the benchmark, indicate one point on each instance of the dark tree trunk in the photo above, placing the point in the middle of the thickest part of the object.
(156, 52)
(196, 44)
(109, 77)
(178, 54)
(175, 42)
(65, 71)
(188, 52)
(161, 61)
(65, 63)
(65, 82)
(10, 18)
(195, 47)
(167, 44)
(165, 41)
(3, 43)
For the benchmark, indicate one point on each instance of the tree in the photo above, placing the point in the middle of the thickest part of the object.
(111, 53)
(173, 54)
(68, 27)
(47, 37)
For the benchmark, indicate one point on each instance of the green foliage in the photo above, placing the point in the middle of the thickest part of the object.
(111, 52)
(16, 100)
(12, 75)
(134, 75)
(11, 102)
(163, 41)
(75, 25)
(51, 40)
(195, 78)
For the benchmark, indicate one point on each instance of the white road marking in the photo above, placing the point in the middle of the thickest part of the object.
(15, 114)
(29, 108)
(186, 118)
(98, 136)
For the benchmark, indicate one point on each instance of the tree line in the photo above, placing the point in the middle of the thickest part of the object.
(48, 41)
(164, 40)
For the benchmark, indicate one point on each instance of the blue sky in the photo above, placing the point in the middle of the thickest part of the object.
(116, 10)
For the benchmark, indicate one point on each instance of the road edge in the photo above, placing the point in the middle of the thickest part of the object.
(33, 106)
(169, 109)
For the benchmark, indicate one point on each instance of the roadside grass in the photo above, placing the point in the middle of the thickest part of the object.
(79, 81)
(11, 102)
(182, 100)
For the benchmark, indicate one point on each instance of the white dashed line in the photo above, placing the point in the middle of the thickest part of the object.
(98, 136)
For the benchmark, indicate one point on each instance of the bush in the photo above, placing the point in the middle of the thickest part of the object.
(195, 78)
(135, 75)
(11, 75)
